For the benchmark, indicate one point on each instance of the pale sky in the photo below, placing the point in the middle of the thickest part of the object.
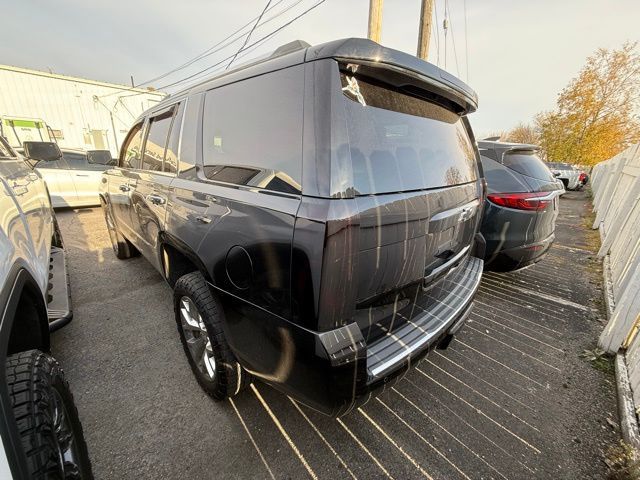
(520, 53)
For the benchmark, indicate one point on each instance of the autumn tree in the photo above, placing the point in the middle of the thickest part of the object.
(523, 133)
(596, 114)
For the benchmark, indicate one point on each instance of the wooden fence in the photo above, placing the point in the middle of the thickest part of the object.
(616, 188)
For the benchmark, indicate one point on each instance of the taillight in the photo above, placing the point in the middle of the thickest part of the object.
(582, 177)
(521, 201)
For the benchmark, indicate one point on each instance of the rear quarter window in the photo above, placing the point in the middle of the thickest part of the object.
(252, 132)
(399, 142)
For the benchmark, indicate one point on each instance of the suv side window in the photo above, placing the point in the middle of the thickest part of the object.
(130, 157)
(252, 132)
(156, 142)
(171, 155)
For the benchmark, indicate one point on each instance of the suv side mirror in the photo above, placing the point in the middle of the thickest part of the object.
(42, 151)
(100, 157)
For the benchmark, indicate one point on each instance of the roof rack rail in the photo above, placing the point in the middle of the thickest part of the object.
(289, 47)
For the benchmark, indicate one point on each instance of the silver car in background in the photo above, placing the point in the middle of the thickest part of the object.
(74, 179)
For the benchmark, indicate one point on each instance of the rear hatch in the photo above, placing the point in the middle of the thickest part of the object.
(540, 180)
(417, 193)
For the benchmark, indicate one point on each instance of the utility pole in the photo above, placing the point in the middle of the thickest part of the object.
(424, 35)
(375, 20)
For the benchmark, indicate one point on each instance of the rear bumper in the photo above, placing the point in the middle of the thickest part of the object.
(520, 257)
(336, 371)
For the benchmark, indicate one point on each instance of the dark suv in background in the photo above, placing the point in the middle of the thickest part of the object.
(315, 213)
(522, 205)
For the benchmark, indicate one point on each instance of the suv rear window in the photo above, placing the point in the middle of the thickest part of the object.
(400, 143)
(527, 164)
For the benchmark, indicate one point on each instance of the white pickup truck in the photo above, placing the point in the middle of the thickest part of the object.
(41, 435)
(568, 174)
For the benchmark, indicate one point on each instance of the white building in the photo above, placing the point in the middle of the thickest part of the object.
(81, 113)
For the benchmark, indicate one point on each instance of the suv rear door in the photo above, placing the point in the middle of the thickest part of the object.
(122, 179)
(150, 185)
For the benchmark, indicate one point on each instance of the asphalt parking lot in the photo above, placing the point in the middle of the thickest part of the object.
(510, 398)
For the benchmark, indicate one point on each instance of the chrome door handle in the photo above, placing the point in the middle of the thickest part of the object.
(156, 199)
(203, 219)
(124, 188)
(82, 174)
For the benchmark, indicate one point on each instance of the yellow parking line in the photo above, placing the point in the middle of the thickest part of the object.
(284, 433)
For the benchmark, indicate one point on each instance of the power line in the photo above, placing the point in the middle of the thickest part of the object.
(453, 37)
(435, 11)
(262, 39)
(221, 44)
(445, 28)
(211, 50)
(466, 41)
(246, 39)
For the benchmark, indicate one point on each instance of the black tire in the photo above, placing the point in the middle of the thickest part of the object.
(122, 247)
(229, 378)
(47, 417)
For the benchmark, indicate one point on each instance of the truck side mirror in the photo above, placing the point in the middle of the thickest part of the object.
(42, 151)
(99, 157)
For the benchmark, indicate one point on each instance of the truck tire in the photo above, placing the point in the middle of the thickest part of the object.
(199, 317)
(122, 247)
(47, 418)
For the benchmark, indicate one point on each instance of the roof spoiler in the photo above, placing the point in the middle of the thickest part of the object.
(366, 52)
(522, 147)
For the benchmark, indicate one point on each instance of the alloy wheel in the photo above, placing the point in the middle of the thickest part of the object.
(197, 338)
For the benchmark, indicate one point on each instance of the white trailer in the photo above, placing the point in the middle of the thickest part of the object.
(81, 113)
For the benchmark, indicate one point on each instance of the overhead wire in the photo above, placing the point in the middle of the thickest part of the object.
(466, 40)
(453, 37)
(204, 53)
(213, 49)
(445, 28)
(261, 40)
(209, 50)
(435, 10)
(248, 37)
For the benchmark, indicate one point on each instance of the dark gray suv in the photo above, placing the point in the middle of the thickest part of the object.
(315, 214)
